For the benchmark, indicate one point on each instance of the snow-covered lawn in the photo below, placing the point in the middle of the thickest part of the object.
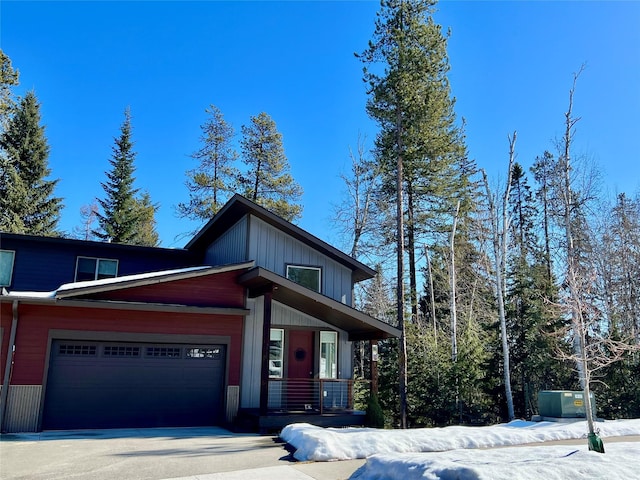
(410, 454)
(620, 462)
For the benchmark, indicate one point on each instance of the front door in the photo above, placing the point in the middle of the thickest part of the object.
(300, 389)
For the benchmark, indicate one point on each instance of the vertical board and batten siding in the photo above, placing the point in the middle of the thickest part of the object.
(252, 354)
(274, 250)
(281, 317)
(231, 247)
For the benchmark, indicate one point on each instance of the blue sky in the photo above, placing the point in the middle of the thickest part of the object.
(511, 69)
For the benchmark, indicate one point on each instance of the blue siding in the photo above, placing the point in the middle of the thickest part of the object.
(45, 264)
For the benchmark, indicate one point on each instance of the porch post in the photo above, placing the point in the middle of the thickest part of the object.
(264, 370)
(374, 366)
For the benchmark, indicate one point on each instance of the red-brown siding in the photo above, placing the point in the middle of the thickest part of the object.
(35, 321)
(6, 316)
(220, 290)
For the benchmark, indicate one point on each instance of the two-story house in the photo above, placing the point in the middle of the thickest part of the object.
(250, 322)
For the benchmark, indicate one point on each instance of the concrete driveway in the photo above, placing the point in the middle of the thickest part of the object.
(157, 454)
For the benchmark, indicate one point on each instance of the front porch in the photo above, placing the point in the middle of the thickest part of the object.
(321, 402)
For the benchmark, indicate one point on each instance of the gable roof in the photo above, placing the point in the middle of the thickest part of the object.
(239, 206)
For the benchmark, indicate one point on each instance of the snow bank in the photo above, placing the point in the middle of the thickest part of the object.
(327, 444)
(550, 463)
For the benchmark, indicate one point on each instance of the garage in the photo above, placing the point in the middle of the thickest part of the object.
(125, 385)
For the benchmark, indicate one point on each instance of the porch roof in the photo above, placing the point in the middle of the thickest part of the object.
(358, 325)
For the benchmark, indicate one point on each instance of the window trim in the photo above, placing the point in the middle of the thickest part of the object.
(97, 269)
(11, 266)
(306, 267)
(282, 350)
(335, 342)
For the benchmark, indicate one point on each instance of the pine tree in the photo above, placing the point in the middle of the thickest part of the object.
(419, 145)
(27, 204)
(121, 217)
(214, 180)
(267, 181)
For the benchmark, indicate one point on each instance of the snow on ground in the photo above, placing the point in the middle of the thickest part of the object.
(326, 444)
(521, 463)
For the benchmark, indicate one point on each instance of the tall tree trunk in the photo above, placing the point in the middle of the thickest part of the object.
(452, 287)
(432, 298)
(500, 241)
(402, 357)
(567, 195)
(411, 248)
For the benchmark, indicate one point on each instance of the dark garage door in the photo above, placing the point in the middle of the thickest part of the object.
(117, 385)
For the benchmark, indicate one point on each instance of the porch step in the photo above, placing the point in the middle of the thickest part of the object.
(274, 422)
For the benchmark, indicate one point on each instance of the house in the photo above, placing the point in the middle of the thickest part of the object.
(249, 324)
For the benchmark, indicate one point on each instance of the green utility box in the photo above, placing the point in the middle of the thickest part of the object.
(563, 404)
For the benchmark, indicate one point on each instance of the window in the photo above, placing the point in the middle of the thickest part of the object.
(89, 268)
(6, 267)
(306, 276)
(328, 355)
(276, 352)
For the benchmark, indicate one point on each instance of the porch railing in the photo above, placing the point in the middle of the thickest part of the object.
(324, 395)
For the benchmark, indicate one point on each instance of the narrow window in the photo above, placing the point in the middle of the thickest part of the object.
(89, 268)
(276, 353)
(6, 267)
(328, 355)
(306, 276)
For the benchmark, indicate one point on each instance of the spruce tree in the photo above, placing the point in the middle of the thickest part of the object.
(8, 79)
(146, 231)
(214, 180)
(121, 215)
(268, 181)
(27, 204)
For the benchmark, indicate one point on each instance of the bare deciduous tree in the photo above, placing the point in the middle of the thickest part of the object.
(500, 237)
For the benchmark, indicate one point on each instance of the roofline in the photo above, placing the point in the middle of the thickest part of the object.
(360, 270)
(76, 241)
(130, 281)
(119, 305)
(259, 273)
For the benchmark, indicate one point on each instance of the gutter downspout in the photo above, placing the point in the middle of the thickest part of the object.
(7, 369)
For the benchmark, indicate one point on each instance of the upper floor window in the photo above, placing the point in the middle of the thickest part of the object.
(6, 267)
(90, 268)
(309, 277)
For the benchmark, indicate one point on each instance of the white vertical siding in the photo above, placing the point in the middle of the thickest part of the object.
(252, 354)
(287, 317)
(274, 250)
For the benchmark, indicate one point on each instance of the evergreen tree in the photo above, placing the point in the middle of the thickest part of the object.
(146, 231)
(214, 180)
(267, 181)
(8, 79)
(532, 314)
(27, 204)
(124, 215)
(419, 145)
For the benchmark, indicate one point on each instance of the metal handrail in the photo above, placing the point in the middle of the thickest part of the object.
(312, 395)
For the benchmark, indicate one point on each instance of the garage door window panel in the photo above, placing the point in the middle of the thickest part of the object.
(121, 351)
(163, 352)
